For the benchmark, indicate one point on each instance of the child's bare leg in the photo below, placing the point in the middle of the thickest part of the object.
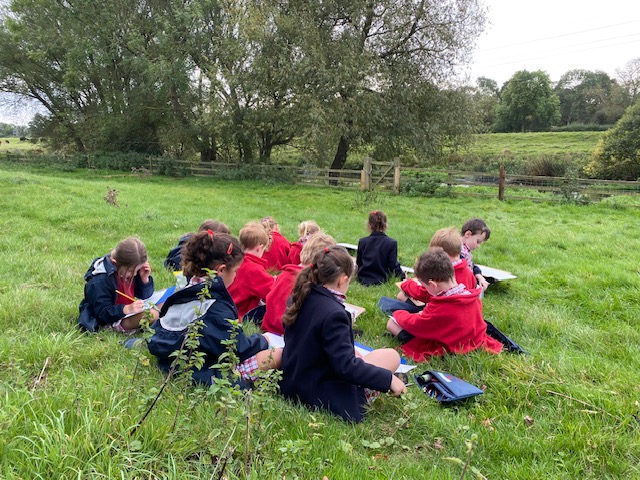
(383, 357)
(131, 322)
(393, 328)
(269, 359)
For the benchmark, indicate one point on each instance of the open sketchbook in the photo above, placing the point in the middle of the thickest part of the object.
(278, 342)
(158, 298)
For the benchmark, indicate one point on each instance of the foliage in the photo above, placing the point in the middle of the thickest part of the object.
(629, 77)
(567, 410)
(419, 184)
(617, 155)
(590, 98)
(527, 103)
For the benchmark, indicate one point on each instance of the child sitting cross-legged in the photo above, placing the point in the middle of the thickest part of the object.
(319, 365)
(210, 261)
(452, 320)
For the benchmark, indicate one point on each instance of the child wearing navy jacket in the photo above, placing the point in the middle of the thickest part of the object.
(174, 257)
(207, 251)
(124, 270)
(377, 256)
(319, 364)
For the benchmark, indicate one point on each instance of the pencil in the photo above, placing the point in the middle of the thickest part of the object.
(135, 299)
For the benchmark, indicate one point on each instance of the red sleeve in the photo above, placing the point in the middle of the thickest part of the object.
(423, 324)
(415, 290)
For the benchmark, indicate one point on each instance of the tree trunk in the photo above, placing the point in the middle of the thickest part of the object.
(340, 159)
(209, 154)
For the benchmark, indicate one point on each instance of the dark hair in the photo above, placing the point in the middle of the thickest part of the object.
(377, 221)
(475, 226)
(206, 251)
(327, 265)
(215, 226)
(434, 264)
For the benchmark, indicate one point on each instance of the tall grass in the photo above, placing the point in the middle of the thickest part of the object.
(69, 401)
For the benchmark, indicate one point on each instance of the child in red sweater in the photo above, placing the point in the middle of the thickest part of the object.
(277, 298)
(278, 254)
(252, 283)
(306, 230)
(452, 320)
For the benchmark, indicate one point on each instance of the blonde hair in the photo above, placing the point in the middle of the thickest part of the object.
(308, 227)
(270, 224)
(318, 242)
(449, 240)
(252, 235)
(130, 252)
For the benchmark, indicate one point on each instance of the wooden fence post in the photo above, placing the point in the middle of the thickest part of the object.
(396, 175)
(501, 184)
(365, 175)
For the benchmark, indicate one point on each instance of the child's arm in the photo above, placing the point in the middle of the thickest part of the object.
(415, 290)
(101, 299)
(261, 284)
(393, 265)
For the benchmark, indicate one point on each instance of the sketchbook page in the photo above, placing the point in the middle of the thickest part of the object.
(276, 341)
(496, 273)
(402, 368)
(354, 310)
(417, 303)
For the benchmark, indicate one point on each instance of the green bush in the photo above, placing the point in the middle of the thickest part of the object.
(422, 184)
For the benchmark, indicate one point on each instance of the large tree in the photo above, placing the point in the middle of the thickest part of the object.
(629, 77)
(589, 98)
(527, 103)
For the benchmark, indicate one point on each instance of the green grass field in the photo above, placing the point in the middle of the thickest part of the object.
(567, 410)
(535, 143)
(15, 145)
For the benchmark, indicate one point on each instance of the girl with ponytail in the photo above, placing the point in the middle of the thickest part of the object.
(319, 364)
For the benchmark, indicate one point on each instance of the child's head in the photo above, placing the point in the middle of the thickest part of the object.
(270, 224)
(377, 221)
(434, 265)
(331, 265)
(208, 250)
(449, 240)
(318, 242)
(129, 254)
(306, 229)
(215, 226)
(254, 238)
(474, 232)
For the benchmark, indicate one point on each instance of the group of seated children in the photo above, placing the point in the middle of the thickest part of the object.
(227, 281)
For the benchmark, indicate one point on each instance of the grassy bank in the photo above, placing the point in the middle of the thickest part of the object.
(567, 410)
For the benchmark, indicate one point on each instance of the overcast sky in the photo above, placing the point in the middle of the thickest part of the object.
(551, 35)
(556, 36)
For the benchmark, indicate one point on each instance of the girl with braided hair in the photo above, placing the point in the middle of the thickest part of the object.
(319, 363)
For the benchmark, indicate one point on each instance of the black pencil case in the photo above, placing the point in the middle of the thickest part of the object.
(444, 387)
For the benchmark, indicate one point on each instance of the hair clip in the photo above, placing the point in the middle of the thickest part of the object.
(311, 265)
(211, 233)
(375, 212)
(326, 249)
(230, 249)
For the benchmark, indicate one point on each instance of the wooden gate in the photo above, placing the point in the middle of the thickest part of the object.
(380, 175)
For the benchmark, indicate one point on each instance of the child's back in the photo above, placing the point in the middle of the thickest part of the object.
(377, 257)
(278, 254)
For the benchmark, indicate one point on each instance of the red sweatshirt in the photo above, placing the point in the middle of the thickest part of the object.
(451, 324)
(463, 275)
(278, 255)
(294, 253)
(277, 299)
(252, 284)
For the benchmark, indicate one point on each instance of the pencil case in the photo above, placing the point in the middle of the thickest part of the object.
(444, 387)
(509, 345)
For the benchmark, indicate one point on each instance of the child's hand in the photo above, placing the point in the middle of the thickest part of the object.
(144, 271)
(403, 297)
(397, 386)
(135, 307)
(482, 282)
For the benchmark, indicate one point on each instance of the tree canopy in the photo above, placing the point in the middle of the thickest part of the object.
(527, 103)
(239, 77)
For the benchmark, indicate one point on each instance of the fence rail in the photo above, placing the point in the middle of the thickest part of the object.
(388, 176)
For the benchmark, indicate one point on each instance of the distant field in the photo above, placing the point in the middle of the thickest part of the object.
(14, 144)
(535, 143)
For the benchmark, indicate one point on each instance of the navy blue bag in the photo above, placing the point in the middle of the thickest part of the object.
(444, 387)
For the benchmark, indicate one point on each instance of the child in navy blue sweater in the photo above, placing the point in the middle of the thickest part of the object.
(319, 364)
(207, 252)
(377, 256)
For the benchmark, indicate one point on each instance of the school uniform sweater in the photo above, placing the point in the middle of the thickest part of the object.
(98, 308)
(278, 254)
(183, 308)
(463, 275)
(252, 284)
(277, 299)
(377, 259)
(450, 324)
(294, 253)
(319, 365)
